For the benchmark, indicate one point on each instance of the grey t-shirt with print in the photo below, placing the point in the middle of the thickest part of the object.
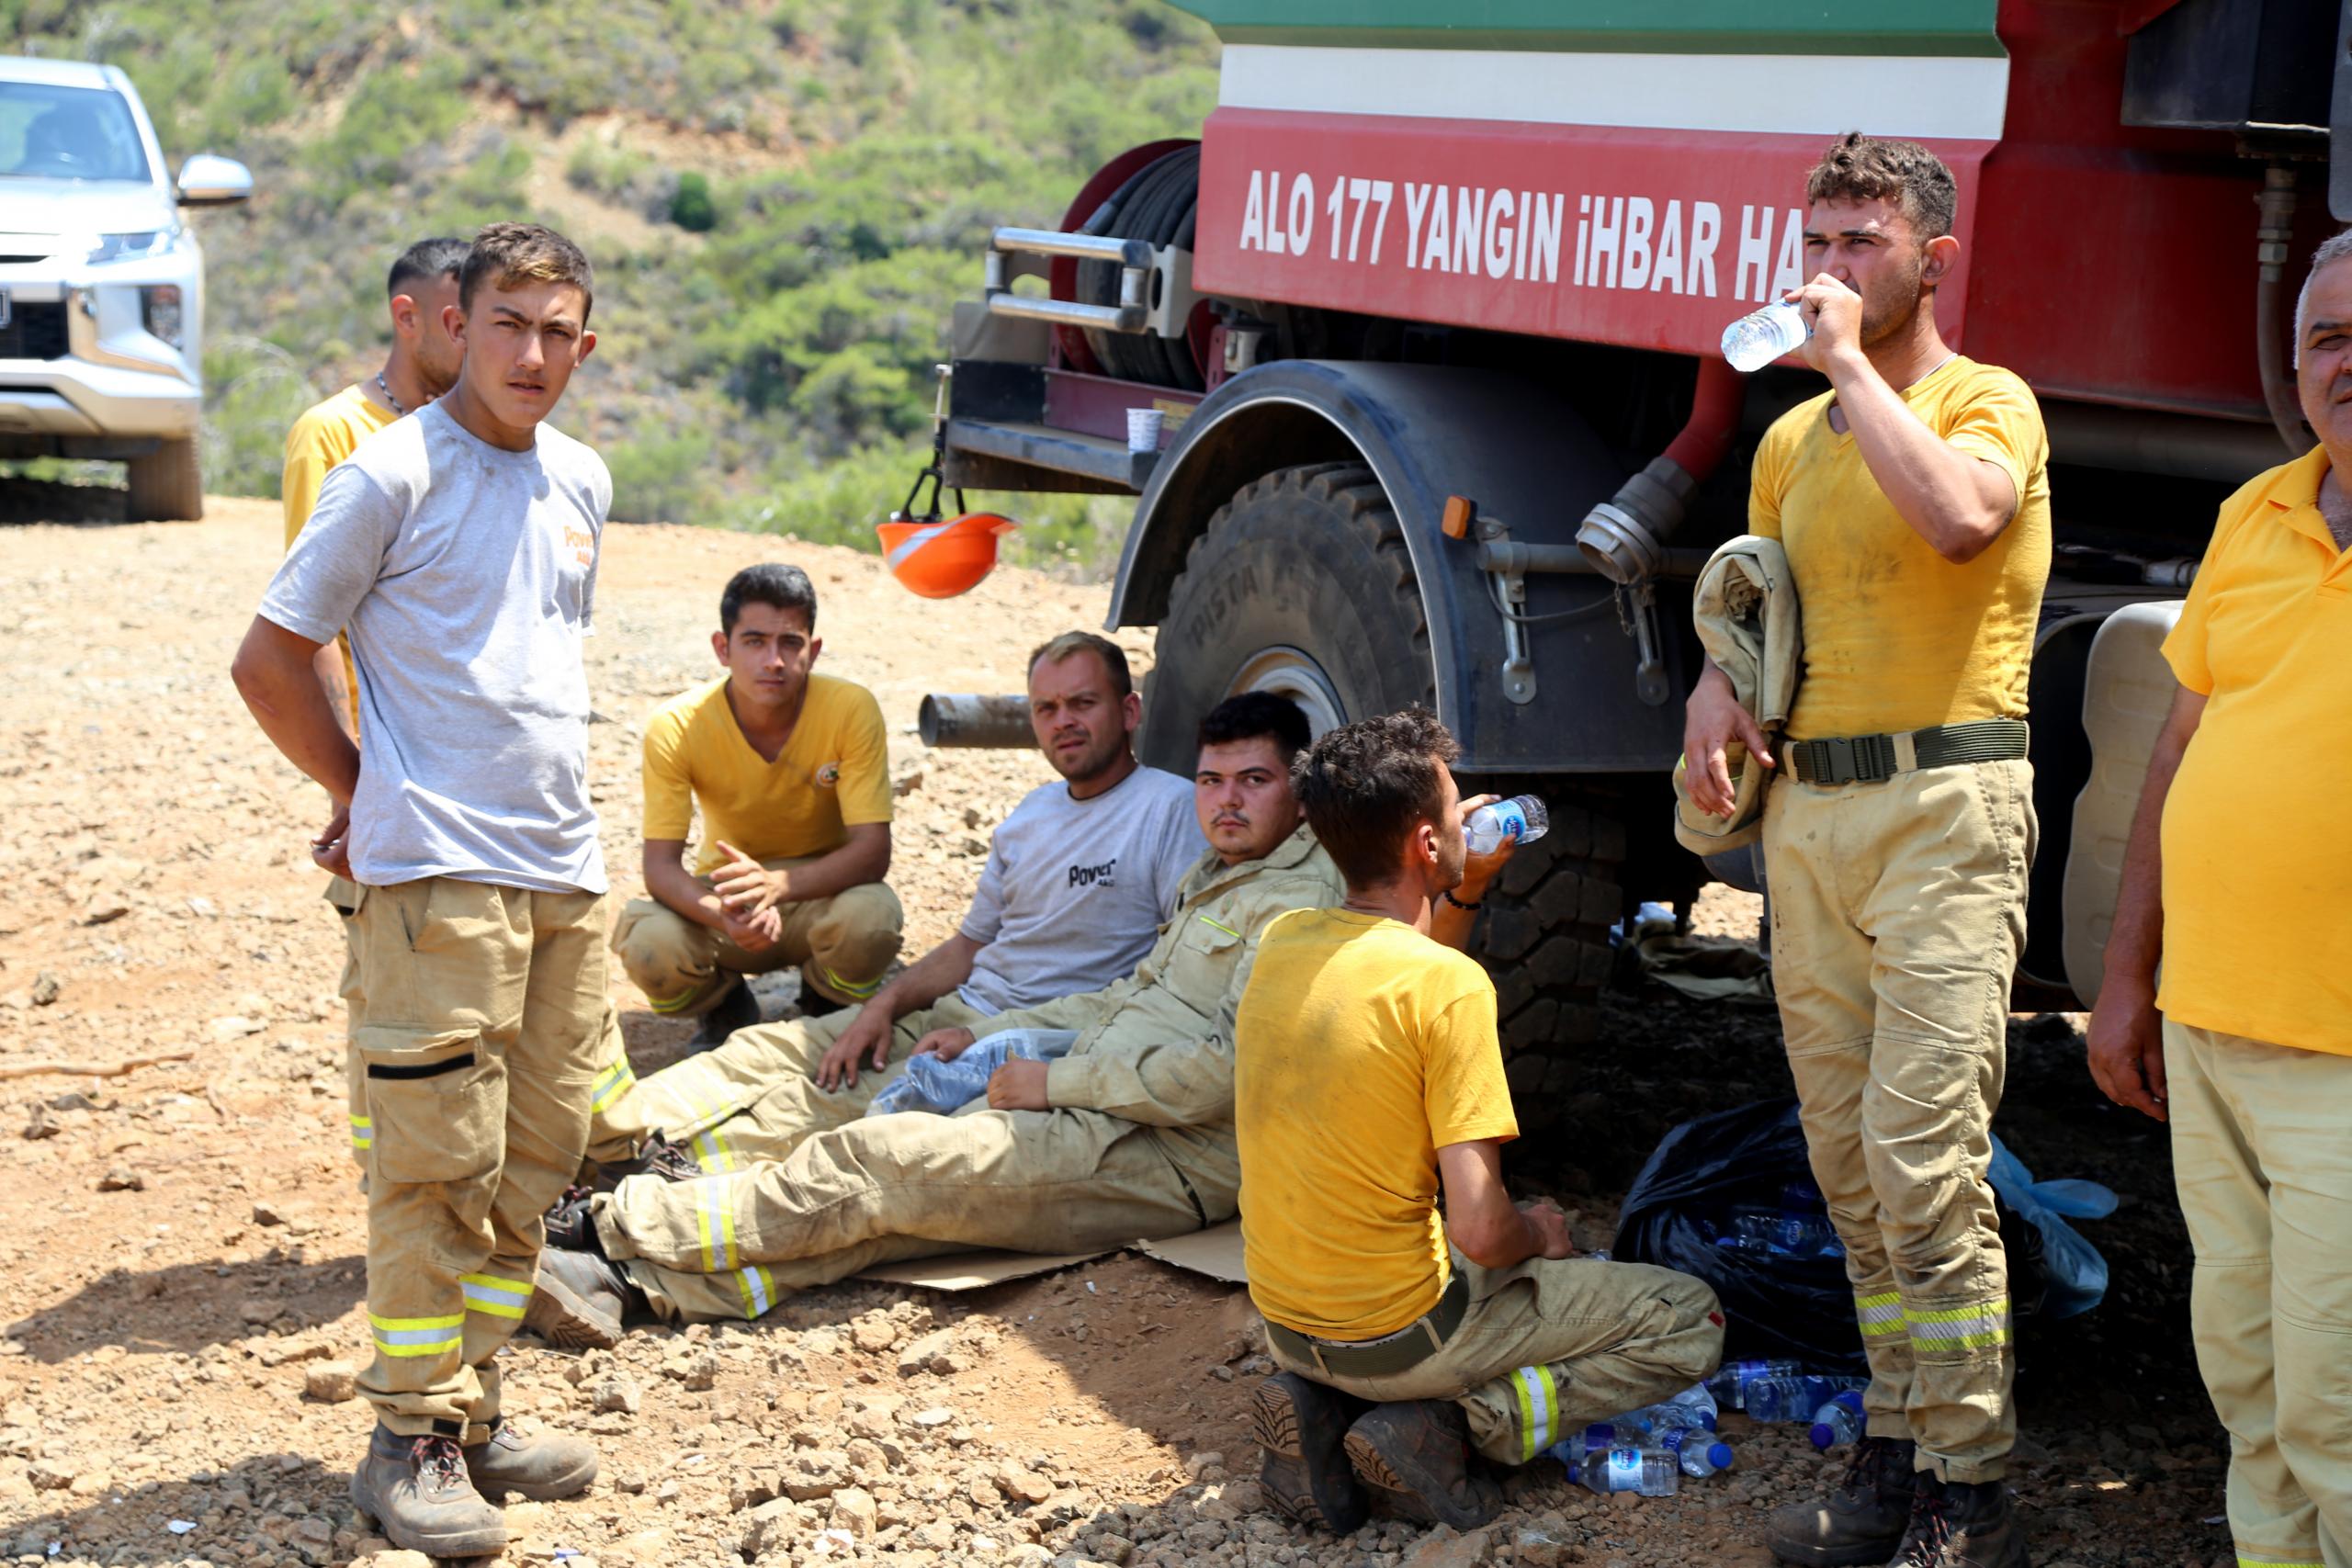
(1075, 890)
(465, 575)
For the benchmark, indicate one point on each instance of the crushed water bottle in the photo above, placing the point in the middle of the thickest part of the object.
(1522, 818)
(1840, 1420)
(1652, 1472)
(940, 1085)
(1755, 340)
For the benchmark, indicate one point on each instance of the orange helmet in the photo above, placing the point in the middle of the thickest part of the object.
(939, 560)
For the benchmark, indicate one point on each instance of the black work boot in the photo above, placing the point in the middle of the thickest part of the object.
(542, 1467)
(571, 1223)
(737, 1008)
(1863, 1521)
(580, 1301)
(417, 1490)
(1415, 1455)
(1959, 1524)
(1302, 1427)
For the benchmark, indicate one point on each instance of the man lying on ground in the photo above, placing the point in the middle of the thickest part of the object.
(1077, 880)
(1367, 1079)
(1129, 1135)
(791, 772)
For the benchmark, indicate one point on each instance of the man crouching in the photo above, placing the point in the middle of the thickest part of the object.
(1368, 1077)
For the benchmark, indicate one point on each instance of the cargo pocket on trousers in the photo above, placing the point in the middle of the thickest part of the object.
(432, 1098)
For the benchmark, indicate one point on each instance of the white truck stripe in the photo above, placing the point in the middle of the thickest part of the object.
(1932, 97)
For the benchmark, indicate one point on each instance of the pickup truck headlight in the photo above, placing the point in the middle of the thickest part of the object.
(145, 243)
(159, 308)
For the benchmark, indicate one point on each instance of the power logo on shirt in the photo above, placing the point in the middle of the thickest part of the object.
(1093, 875)
(829, 776)
(582, 544)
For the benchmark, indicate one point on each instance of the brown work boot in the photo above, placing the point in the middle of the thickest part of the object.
(540, 1467)
(1415, 1455)
(1863, 1521)
(417, 1490)
(580, 1301)
(1957, 1523)
(1302, 1427)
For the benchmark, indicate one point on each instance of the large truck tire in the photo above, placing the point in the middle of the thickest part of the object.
(167, 485)
(1544, 935)
(1301, 584)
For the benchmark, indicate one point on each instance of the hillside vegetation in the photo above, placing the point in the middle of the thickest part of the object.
(782, 200)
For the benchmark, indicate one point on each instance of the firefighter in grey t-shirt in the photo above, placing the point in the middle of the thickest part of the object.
(1078, 881)
(458, 551)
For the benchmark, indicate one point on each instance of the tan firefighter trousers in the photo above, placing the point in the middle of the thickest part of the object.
(841, 944)
(2263, 1163)
(756, 1097)
(480, 1016)
(1547, 1345)
(904, 1186)
(1898, 911)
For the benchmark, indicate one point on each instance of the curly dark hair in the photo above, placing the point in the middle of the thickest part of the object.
(1874, 168)
(1365, 785)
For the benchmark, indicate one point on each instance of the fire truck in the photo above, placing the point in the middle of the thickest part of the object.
(1430, 307)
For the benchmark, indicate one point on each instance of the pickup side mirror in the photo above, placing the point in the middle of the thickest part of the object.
(209, 181)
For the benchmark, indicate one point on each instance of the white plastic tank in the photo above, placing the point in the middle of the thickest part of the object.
(2127, 689)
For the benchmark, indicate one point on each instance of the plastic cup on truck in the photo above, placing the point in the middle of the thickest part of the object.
(1143, 430)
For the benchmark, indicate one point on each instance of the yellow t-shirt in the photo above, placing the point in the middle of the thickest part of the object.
(324, 436)
(1895, 637)
(2257, 922)
(1360, 1048)
(832, 775)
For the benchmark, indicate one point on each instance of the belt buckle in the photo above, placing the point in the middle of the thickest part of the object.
(1839, 750)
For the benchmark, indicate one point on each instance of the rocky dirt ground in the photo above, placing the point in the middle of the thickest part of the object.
(181, 1246)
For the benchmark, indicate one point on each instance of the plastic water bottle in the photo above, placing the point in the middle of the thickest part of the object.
(1701, 1461)
(1729, 1386)
(1600, 1438)
(1698, 1401)
(1794, 1398)
(1653, 1473)
(941, 1085)
(1755, 340)
(1522, 816)
(1840, 1420)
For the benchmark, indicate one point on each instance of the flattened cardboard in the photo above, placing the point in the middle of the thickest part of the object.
(975, 1271)
(1216, 1252)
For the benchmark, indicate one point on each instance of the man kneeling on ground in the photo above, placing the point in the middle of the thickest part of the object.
(792, 772)
(1367, 1077)
(1129, 1135)
(1078, 881)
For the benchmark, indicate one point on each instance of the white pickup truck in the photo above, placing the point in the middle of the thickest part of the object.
(101, 285)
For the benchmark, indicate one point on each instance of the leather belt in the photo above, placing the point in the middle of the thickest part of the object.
(1389, 1354)
(1872, 759)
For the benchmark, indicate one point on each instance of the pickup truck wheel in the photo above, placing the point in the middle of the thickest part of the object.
(1301, 584)
(167, 485)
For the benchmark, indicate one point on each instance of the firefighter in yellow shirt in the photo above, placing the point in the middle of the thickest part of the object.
(1912, 501)
(791, 772)
(422, 365)
(2246, 1044)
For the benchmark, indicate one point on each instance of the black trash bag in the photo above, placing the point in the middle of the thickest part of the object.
(1723, 1197)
